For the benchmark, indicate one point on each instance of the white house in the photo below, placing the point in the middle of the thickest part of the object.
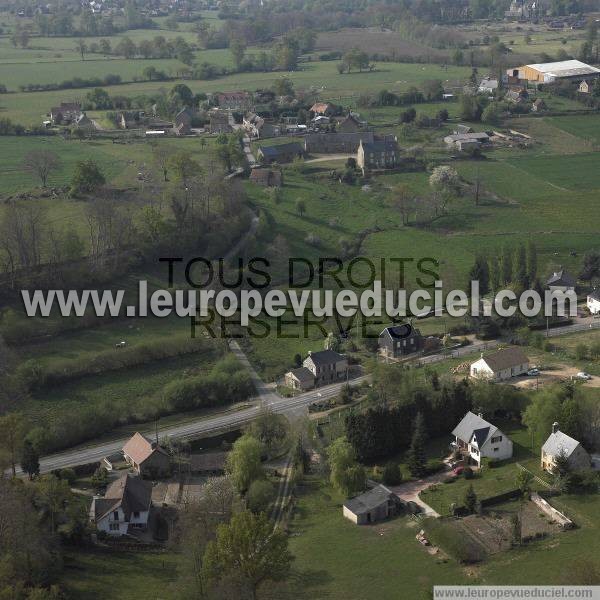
(560, 443)
(593, 302)
(126, 505)
(500, 365)
(475, 438)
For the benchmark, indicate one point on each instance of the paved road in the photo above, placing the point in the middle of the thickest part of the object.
(195, 429)
(267, 398)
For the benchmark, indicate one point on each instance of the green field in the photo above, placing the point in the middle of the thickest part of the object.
(89, 574)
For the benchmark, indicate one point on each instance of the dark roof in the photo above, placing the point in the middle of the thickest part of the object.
(369, 500)
(326, 357)
(474, 425)
(281, 149)
(505, 358)
(561, 278)
(558, 443)
(129, 492)
(380, 146)
(595, 295)
(303, 375)
(400, 331)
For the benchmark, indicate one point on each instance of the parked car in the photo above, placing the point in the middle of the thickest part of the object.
(584, 376)
(458, 470)
(533, 372)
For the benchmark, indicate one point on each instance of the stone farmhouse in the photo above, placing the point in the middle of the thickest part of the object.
(379, 154)
(283, 153)
(234, 100)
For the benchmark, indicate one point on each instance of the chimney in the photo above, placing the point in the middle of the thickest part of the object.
(554, 427)
(480, 414)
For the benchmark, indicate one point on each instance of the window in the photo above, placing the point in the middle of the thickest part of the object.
(116, 515)
(495, 449)
(114, 527)
(498, 438)
(136, 514)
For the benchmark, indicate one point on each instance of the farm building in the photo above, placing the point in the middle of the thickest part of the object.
(84, 122)
(283, 153)
(500, 365)
(462, 141)
(593, 302)
(476, 438)
(559, 443)
(400, 340)
(333, 143)
(487, 85)
(564, 70)
(131, 119)
(375, 505)
(146, 457)
(125, 505)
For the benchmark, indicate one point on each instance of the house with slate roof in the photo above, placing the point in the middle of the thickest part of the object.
(559, 443)
(326, 366)
(476, 438)
(400, 340)
(125, 506)
(378, 154)
(561, 281)
(500, 365)
(375, 505)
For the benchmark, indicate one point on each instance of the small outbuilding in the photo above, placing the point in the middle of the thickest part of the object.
(146, 457)
(377, 504)
(300, 379)
(561, 281)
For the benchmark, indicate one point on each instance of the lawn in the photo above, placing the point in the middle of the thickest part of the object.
(335, 559)
(89, 574)
(585, 127)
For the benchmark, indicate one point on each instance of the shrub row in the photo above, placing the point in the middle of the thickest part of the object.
(227, 382)
(34, 376)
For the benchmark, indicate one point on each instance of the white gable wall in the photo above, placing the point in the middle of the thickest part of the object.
(593, 305)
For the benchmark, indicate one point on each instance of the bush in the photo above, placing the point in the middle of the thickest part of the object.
(392, 475)
(468, 473)
(260, 494)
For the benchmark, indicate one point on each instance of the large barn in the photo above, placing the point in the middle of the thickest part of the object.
(555, 71)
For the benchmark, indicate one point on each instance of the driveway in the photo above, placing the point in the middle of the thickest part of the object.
(409, 491)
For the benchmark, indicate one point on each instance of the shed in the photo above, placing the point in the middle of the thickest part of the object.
(375, 505)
